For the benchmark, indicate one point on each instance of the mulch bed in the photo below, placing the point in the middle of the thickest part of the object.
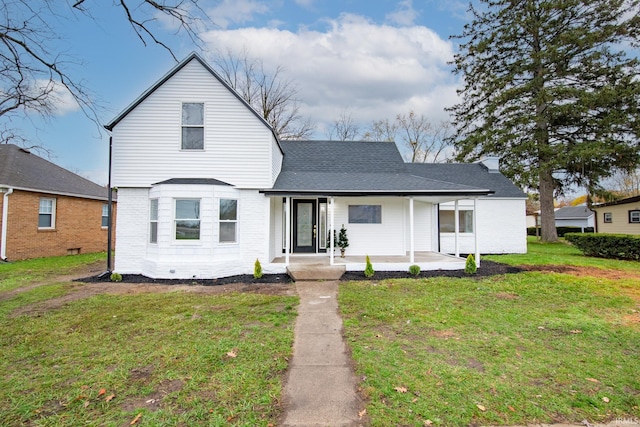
(487, 268)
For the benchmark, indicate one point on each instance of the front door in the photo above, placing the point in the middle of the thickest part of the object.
(304, 226)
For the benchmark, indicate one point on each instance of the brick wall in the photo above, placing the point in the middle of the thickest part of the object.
(77, 227)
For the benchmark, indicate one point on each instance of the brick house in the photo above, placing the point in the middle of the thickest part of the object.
(47, 210)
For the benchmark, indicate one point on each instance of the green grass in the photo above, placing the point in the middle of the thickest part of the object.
(175, 358)
(21, 273)
(522, 349)
(561, 253)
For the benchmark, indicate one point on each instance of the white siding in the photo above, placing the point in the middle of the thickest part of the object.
(501, 228)
(147, 142)
(131, 229)
(387, 238)
(276, 160)
(422, 227)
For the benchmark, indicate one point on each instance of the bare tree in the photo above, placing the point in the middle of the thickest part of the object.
(624, 184)
(269, 93)
(436, 145)
(344, 128)
(381, 130)
(36, 73)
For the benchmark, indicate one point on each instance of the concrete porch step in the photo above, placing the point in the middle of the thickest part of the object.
(299, 272)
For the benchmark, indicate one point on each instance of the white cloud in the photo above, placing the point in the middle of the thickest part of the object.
(230, 12)
(405, 15)
(373, 71)
(61, 100)
(305, 3)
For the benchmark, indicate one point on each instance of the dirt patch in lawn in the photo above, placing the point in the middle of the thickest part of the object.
(584, 271)
(81, 290)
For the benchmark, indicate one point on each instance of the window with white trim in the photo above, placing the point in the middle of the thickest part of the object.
(447, 221)
(608, 217)
(105, 215)
(153, 221)
(47, 213)
(365, 214)
(187, 219)
(193, 126)
(228, 221)
(634, 217)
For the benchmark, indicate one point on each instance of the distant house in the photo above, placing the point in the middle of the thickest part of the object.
(621, 216)
(205, 187)
(575, 216)
(47, 210)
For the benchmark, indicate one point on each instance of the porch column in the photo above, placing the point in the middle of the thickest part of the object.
(411, 239)
(287, 230)
(456, 227)
(475, 232)
(331, 228)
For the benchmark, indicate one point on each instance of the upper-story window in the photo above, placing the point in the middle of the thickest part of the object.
(47, 213)
(192, 126)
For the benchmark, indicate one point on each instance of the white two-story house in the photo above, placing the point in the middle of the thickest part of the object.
(205, 188)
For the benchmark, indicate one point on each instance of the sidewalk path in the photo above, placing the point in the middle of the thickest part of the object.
(321, 387)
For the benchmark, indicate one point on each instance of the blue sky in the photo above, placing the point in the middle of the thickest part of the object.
(371, 59)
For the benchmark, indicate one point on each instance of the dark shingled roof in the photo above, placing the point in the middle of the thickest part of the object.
(634, 199)
(204, 181)
(573, 212)
(475, 174)
(358, 168)
(23, 170)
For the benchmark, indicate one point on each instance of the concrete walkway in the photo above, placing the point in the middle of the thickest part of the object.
(321, 387)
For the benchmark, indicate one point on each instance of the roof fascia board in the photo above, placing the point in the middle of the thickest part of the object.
(355, 193)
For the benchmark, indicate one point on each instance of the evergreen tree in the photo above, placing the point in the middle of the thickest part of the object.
(552, 87)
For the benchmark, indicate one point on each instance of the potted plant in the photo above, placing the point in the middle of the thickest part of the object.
(343, 241)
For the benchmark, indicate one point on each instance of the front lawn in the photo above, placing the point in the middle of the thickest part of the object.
(533, 347)
(172, 358)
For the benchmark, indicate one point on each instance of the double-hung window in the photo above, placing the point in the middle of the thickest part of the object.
(187, 222)
(153, 221)
(228, 221)
(634, 217)
(193, 126)
(105, 215)
(47, 213)
(608, 217)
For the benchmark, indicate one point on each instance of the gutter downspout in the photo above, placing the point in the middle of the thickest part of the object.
(5, 214)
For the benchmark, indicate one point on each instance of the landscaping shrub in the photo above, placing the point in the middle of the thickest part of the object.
(414, 270)
(368, 270)
(116, 277)
(470, 266)
(617, 246)
(257, 270)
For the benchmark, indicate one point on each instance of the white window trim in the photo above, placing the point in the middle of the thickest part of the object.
(182, 125)
(634, 211)
(198, 241)
(105, 205)
(53, 213)
(236, 221)
(461, 232)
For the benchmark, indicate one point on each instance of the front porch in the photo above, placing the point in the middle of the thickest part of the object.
(425, 259)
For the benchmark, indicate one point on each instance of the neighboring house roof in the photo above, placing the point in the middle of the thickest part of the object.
(22, 170)
(634, 199)
(192, 57)
(203, 181)
(357, 168)
(474, 174)
(573, 212)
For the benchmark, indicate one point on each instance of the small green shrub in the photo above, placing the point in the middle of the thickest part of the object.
(115, 277)
(257, 269)
(470, 266)
(414, 270)
(615, 246)
(368, 270)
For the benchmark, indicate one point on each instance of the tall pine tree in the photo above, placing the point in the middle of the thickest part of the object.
(553, 87)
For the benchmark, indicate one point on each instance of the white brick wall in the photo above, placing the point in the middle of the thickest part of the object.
(501, 227)
(180, 259)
